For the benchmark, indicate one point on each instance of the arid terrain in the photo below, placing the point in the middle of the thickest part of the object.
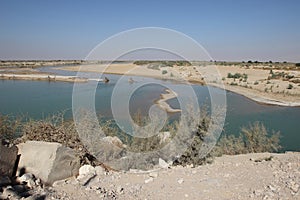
(268, 83)
(278, 84)
(250, 176)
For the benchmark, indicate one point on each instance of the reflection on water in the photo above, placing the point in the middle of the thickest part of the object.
(40, 98)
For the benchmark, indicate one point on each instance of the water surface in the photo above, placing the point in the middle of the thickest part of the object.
(39, 99)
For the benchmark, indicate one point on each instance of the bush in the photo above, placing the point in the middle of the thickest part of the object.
(229, 145)
(164, 72)
(257, 139)
(297, 64)
(192, 154)
(256, 83)
(252, 139)
(237, 76)
(10, 128)
(163, 63)
(290, 87)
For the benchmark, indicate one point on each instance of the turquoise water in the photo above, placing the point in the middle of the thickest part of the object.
(39, 99)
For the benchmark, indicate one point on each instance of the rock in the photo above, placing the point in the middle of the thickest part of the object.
(26, 177)
(20, 188)
(120, 190)
(8, 160)
(99, 170)
(48, 161)
(149, 180)
(272, 188)
(86, 169)
(59, 183)
(153, 174)
(4, 180)
(163, 164)
(180, 181)
(86, 179)
(164, 137)
(38, 182)
(29, 179)
(10, 193)
(294, 187)
(258, 192)
(37, 197)
(86, 174)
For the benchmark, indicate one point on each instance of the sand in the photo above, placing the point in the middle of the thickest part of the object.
(162, 102)
(128, 69)
(257, 86)
(41, 77)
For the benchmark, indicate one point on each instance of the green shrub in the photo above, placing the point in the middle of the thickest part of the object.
(237, 76)
(164, 72)
(290, 86)
(163, 63)
(297, 64)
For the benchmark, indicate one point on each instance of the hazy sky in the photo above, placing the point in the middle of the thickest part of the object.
(228, 29)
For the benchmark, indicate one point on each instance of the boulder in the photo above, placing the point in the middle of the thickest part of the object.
(86, 170)
(163, 164)
(8, 160)
(48, 161)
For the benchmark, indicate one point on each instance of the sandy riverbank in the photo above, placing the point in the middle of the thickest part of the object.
(41, 77)
(162, 102)
(282, 87)
(258, 85)
(126, 68)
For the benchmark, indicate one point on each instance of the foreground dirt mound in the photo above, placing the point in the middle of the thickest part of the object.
(250, 176)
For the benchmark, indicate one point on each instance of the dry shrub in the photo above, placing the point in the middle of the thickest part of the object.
(193, 154)
(56, 129)
(252, 139)
(9, 128)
